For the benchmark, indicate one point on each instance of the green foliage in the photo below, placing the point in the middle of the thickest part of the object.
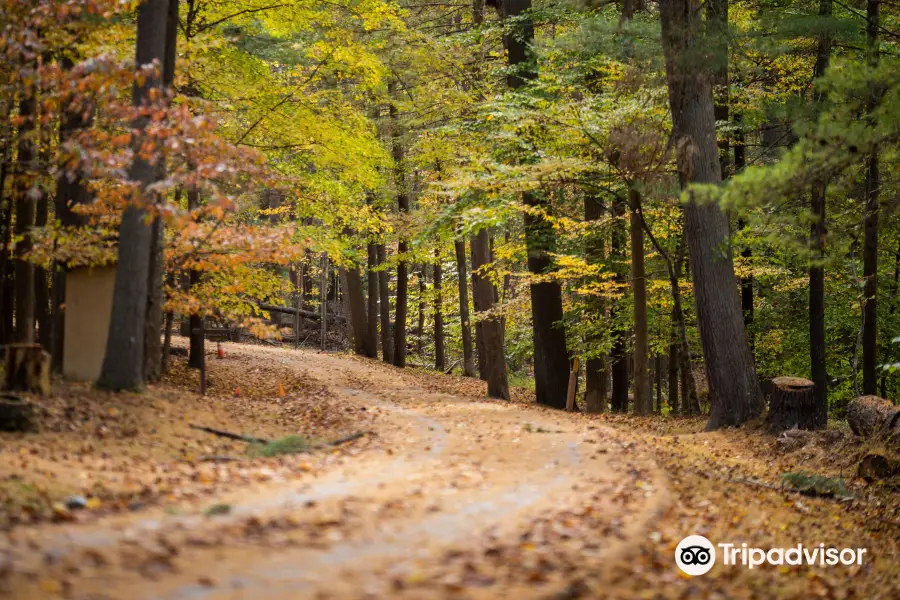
(291, 444)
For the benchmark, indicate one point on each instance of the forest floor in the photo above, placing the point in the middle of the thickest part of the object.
(447, 495)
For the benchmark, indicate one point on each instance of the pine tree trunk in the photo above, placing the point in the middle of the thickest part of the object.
(384, 309)
(372, 300)
(492, 327)
(459, 247)
(154, 323)
(870, 247)
(817, 350)
(439, 360)
(24, 221)
(643, 402)
(123, 365)
(672, 387)
(323, 303)
(196, 324)
(734, 390)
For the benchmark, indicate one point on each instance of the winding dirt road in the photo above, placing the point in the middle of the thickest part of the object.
(455, 497)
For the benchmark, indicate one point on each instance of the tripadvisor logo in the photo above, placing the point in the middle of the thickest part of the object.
(696, 555)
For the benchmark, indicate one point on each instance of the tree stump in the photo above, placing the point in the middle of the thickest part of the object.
(875, 467)
(27, 368)
(15, 414)
(870, 416)
(793, 404)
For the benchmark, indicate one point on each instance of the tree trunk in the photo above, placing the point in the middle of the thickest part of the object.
(27, 369)
(387, 339)
(420, 327)
(891, 311)
(619, 354)
(793, 405)
(459, 247)
(479, 304)
(357, 304)
(439, 360)
(372, 300)
(817, 356)
(672, 398)
(323, 302)
(42, 285)
(551, 357)
(123, 365)
(595, 368)
(6, 299)
(403, 208)
(870, 247)
(643, 402)
(733, 388)
(492, 327)
(25, 211)
(740, 162)
(196, 324)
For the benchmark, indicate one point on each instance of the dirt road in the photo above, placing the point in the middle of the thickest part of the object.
(448, 480)
(448, 495)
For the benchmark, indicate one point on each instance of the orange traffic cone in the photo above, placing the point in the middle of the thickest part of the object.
(237, 392)
(219, 352)
(281, 390)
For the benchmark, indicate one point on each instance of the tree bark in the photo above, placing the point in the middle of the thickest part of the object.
(459, 247)
(196, 323)
(387, 339)
(123, 365)
(42, 283)
(870, 247)
(402, 275)
(372, 299)
(155, 289)
(871, 415)
(817, 351)
(643, 402)
(25, 211)
(734, 390)
(439, 360)
(356, 302)
(479, 305)
(323, 302)
(420, 326)
(492, 326)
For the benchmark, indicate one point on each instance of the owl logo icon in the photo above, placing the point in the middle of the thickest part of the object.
(695, 555)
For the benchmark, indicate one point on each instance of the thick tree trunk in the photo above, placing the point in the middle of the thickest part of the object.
(25, 211)
(734, 391)
(492, 327)
(817, 356)
(356, 302)
(740, 162)
(155, 299)
(123, 365)
(439, 360)
(372, 299)
(6, 299)
(596, 374)
(403, 208)
(384, 308)
(459, 247)
(870, 247)
(643, 402)
(27, 369)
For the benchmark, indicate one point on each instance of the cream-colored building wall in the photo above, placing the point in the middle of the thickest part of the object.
(89, 293)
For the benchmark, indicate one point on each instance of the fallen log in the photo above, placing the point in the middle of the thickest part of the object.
(231, 436)
(870, 416)
(288, 310)
(792, 404)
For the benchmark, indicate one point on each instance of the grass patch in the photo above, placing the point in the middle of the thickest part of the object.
(815, 485)
(291, 444)
(217, 509)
